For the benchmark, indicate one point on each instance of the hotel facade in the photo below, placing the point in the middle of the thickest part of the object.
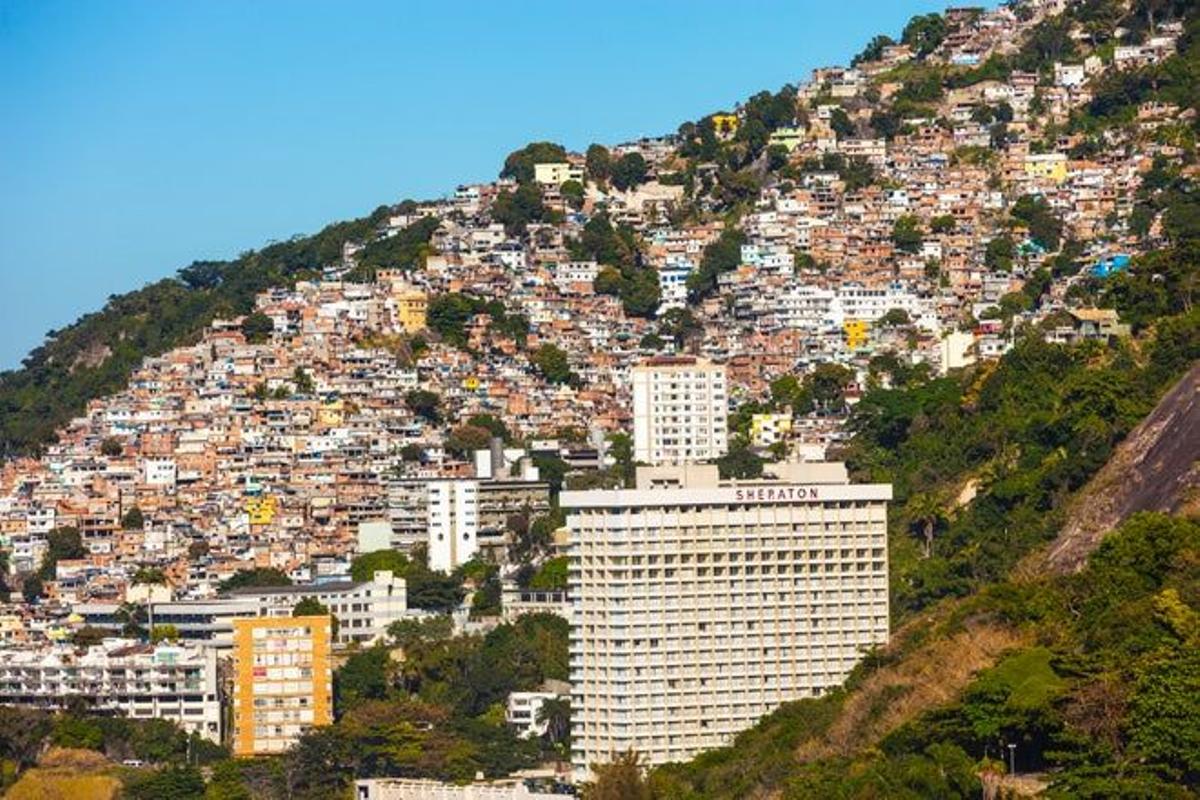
(699, 605)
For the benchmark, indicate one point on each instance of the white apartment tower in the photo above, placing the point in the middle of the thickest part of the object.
(702, 605)
(453, 523)
(680, 406)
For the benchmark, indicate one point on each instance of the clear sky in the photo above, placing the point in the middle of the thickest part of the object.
(136, 137)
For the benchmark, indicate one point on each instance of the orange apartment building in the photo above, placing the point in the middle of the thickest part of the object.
(283, 681)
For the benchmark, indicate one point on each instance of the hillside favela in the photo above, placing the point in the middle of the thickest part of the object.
(839, 443)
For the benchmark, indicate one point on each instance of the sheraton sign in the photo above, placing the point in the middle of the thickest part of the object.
(752, 494)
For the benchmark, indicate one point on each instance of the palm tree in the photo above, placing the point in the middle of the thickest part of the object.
(132, 618)
(555, 714)
(925, 512)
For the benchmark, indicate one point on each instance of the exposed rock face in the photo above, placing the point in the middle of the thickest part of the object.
(1156, 468)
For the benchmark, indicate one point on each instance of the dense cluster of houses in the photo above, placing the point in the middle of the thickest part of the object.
(285, 452)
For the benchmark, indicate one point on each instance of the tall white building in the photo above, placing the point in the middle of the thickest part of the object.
(118, 676)
(680, 406)
(453, 523)
(702, 605)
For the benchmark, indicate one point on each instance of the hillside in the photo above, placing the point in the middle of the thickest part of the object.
(1028, 182)
(1156, 468)
(720, 171)
(1086, 661)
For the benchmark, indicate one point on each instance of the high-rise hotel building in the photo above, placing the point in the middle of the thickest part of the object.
(680, 406)
(701, 605)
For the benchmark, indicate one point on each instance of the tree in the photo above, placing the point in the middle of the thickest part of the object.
(873, 51)
(619, 780)
(61, 543)
(572, 192)
(906, 234)
(133, 519)
(999, 254)
(366, 675)
(23, 735)
(640, 293)
(827, 384)
(942, 224)
(226, 783)
(924, 33)
(431, 590)
(448, 315)
(680, 325)
(149, 575)
(31, 588)
(925, 512)
(406, 250)
(723, 255)
(492, 424)
(111, 447)
(629, 171)
(364, 567)
(164, 633)
(425, 404)
(175, 782)
(256, 577)
(555, 714)
(466, 439)
(77, 732)
(519, 165)
(608, 281)
(552, 575)
(787, 391)
(895, 318)
(1165, 711)
(1035, 213)
(410, 632)
(840, 121)
(257, 327)
(551, 361)
(517, 209)
(599, 163)
(303, 381)
(88, 636)
(740, 462)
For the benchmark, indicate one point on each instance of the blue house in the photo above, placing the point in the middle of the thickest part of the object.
(1107, 267)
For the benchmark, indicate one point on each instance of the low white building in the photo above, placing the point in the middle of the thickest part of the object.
(118, 676)
(417, 789)
(363, 610)
(524, 711)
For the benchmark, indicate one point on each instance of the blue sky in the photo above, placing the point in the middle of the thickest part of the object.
(138, 136)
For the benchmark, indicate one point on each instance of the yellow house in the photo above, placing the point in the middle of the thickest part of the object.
(856, 331)
(1047, 167)
(767, 429)
(262, 510)
(283, 681)
(725, 124)
(330, 415)
(411, 308)
(556, 173)
(791, 138)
